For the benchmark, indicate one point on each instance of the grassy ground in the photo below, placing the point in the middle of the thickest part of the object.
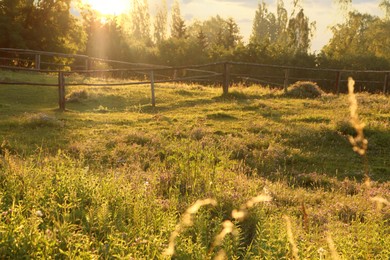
(112, 176)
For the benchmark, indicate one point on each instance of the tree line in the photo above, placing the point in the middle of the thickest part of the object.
(361, 41)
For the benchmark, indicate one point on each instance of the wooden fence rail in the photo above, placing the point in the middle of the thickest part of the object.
(224, 72)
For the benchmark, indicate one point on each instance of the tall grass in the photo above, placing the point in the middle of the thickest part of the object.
(128, 183)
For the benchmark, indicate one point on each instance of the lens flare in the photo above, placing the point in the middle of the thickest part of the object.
(111, 7)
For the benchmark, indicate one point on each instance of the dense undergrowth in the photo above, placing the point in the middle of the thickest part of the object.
(112, 176)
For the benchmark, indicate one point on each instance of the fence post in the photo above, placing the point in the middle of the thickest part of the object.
(152, 88)
(226, 78)
(61, 91)
(386, 83)
(286, 75)
(87, 64)
(338, 81)
(37, 62)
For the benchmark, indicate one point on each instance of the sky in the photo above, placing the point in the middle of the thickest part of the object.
(325, 12)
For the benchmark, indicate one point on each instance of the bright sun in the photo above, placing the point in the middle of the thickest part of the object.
(109, 7)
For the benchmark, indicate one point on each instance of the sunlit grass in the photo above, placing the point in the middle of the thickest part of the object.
(112, 176)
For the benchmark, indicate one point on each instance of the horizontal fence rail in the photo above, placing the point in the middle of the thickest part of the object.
(221, 73)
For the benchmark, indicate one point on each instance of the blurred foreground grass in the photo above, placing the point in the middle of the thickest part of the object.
(110, 177)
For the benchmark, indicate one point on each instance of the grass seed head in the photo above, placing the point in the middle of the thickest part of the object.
(290, 237)
(359, 143)
(332, 247)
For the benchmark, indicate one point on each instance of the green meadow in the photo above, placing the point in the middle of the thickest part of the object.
(112, 177)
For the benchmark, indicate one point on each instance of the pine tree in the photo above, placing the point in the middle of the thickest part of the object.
(232, 34)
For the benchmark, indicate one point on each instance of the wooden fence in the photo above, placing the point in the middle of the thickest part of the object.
(221, 73)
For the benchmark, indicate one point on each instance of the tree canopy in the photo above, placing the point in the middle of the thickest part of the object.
(164, 36)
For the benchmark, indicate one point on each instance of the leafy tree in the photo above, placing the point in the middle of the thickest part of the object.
(161, 23)
(218, 32)
(140, 21)
(263, 24)
(363, 41)
(385, 5)
(276, 35)
(178, 27)
(11, 28)
(180, 51)
(202, 39)
(41, 25)
(299, 33)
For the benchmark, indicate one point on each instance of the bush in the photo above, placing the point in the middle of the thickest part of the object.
(304, 89)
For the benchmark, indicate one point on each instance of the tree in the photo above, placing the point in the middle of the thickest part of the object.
(41, 25)
(262, 24)
(104, 39)
(385, 5)
(217, 31)
(202, 39)
(178, 27)
(361, 42)
(140, 21)
(277, 35)
(299, 33)
(161, 22)
(233, 36)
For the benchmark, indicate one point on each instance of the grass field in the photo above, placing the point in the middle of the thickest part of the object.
(112, 176)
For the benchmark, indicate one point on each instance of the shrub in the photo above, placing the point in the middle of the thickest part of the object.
(304, 89)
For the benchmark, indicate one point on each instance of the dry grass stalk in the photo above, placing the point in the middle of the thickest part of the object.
(332, 247)
(243, 211)
(186, 221)
(305, 219)
(221, 255)
(291, 238)
(228, 228)
(359, 142)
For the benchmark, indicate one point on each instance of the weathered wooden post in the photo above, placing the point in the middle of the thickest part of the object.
(286, 75)
(87, 64)
(152, 88)
(61, 91)
(338, 82)
(37, 64)
(175, 74)
(386, 84)
(226, 78)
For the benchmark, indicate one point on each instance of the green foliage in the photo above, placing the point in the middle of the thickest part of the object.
(178, 27)
(140, 22)
(161, 23)
(360, 43)
(40, 25)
